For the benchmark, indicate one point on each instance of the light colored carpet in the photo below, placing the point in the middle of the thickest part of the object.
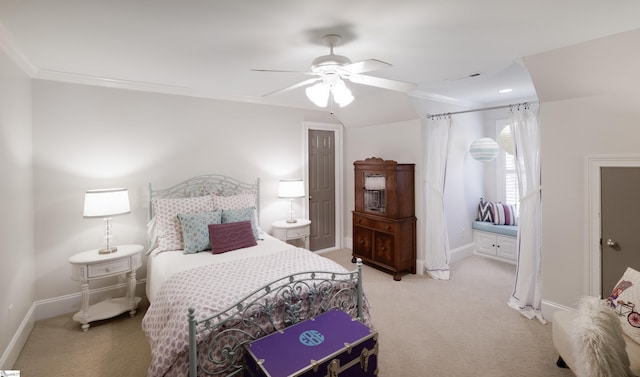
(462, 327)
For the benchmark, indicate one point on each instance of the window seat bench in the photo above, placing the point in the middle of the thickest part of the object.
(495, 241)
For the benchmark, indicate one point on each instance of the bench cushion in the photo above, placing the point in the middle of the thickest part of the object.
(505, 230)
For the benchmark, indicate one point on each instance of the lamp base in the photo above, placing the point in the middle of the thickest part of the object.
(292, 221)
(109, 250)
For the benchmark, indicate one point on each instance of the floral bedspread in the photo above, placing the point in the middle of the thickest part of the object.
(211, 289)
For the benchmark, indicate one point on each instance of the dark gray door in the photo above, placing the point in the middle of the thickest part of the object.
(322, 196)
(620, 223)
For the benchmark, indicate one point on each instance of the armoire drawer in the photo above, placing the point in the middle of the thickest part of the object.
(380, 225)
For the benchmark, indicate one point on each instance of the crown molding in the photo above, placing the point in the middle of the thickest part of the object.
(46, 74)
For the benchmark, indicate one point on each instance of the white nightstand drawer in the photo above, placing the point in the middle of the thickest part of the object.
(285, 231)
(112, 267)
(280, 234)
(298, 232)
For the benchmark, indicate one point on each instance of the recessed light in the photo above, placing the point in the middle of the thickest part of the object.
(507, 90)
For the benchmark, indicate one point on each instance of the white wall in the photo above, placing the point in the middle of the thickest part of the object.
(590, 105)
(572, 130)
(88, 137)
(16, 201)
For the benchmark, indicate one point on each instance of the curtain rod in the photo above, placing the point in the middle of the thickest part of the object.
(525, 104)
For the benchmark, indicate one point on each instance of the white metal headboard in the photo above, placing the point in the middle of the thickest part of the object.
(204, 185)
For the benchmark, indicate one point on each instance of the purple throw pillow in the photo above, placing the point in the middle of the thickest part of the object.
(231, 236)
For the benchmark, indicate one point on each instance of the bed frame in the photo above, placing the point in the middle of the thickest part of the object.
(203, 185)
(289, 298)
(273, 307)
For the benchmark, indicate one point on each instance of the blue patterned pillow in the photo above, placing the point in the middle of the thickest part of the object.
(241, 214)
(195, 230)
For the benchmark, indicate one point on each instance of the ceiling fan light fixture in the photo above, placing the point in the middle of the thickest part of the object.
(318, 94)
(330, 87)
(341, 94)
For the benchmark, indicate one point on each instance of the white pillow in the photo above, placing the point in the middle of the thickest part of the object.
(238, 201)
(168, 228)
(244, 199)
(598, 343)
(625, 299)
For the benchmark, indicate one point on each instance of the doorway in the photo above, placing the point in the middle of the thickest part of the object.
(595, 167)
(620, 240)
(323, 150)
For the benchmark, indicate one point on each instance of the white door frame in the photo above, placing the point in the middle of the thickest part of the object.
(339, 176)
(593, 165)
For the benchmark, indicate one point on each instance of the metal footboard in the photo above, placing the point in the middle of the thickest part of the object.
(217, 343)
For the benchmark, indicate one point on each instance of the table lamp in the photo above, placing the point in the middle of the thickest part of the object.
(106, 203)
(291, 188)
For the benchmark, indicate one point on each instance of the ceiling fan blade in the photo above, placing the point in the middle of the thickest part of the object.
(281, 71)
(365, 66)
(399, 86)
(294, 86)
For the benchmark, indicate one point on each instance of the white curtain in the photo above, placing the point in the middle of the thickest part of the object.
(436, 238)
(527, 292)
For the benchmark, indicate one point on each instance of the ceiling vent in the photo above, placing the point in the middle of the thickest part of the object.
(467, 76)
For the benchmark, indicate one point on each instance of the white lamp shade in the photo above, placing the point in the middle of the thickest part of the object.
(318, 94)
(291, 188)
(506, 140)
(330, 87)
(484, 150)
(341, 94)
(106, 202)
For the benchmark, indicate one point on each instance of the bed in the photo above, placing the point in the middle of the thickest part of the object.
(216, 281)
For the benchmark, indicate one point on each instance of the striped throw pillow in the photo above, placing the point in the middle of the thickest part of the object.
(503, 214)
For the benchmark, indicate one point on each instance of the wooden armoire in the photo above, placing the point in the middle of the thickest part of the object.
(384, 222)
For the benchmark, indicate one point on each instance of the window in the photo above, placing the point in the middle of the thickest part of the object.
(506, 174)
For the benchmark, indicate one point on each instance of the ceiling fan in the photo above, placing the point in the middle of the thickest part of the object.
(332, 70)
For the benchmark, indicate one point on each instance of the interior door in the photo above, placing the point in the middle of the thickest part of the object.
(322, 202)
(619, 223)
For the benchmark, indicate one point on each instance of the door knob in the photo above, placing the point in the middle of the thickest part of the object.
(612, 243)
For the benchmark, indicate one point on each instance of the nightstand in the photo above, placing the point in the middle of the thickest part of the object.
(285, 231)
(91, 265)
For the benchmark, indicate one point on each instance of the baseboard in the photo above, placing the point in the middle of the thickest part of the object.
(550, 307)
(461, 252)
(19, 339)
(347, 242)
(71, 303)
(54, 307)
(455, 255)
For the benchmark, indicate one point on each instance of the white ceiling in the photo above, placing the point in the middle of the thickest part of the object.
(207, 48)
